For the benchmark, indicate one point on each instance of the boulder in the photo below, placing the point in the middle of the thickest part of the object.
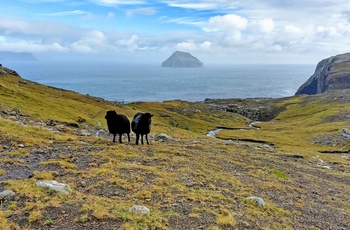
(139, 210)
(54, 185)
(182, 59)
(259, 201)
(332, 73)
(6, 195)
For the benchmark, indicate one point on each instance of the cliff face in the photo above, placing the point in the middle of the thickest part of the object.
(182, 59)
(331, 74)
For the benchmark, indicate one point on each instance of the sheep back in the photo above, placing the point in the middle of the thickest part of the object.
(141, 123)
(117, 123)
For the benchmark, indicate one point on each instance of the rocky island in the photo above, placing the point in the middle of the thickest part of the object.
(182, 59)
(331, 74)
(13, 56)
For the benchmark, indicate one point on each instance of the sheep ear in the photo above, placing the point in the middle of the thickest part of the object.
(151, 115)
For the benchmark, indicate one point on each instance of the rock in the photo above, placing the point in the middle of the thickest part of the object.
(54, 185)
(182, 59)
(332, 73)
(259, 201)
(139, 210)
(161, 137)
(6, 195)
(345, 133)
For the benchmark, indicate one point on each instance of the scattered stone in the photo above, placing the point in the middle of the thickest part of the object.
(161, 137)
(83, 184)
(54, 185)
(345, 133)
(85, 134)
(139, 210)
(6, 195)
(259, 201)
(322, 164)
(21, 146)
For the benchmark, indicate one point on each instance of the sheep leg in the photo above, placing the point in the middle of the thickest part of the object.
(147, 138)
(114, 137)
(137, 138)
(120, 138)
(141, 138)
(128, 137)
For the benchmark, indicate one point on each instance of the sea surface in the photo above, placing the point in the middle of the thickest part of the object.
(151, 82)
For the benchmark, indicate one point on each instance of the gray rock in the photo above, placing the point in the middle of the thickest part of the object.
(161, 137)
(259, 201)
(6, 195)
(54, 185)
(139, 210)
(345, 133)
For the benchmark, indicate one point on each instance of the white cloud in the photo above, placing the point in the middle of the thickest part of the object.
(267, 25)
(192, 46)
(66, 13)
(92, 42)
(229, 22)
(29, 46)
(143, 11)
(131, 43)
(117, 2)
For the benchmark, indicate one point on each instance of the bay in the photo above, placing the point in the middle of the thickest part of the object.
(129, 82)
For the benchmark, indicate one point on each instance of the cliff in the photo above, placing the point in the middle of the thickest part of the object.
(331, 74)
(182, 59)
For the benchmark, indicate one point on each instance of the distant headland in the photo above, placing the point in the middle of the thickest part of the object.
(332, 73)
(182, 59)
(13, 56)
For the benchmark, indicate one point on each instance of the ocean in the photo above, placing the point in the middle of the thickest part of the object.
(141, 82)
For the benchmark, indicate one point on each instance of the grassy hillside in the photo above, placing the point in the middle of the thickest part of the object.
(298, 163)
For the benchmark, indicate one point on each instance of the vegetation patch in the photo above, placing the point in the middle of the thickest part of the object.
(187, 179)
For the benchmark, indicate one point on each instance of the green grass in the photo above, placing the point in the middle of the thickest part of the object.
(186, 179)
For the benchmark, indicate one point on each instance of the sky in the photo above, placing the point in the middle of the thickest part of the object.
(215, 31)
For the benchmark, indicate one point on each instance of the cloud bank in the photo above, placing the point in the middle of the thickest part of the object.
(232, 31)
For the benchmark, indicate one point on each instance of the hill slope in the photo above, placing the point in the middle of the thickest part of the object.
(186, 179)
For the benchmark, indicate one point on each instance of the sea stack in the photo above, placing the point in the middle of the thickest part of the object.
(182, 60)
(331, 74)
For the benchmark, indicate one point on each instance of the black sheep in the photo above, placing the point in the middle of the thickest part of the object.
(118, 124)
(141, 125)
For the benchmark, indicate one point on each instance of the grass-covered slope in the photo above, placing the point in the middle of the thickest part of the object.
(186, 179)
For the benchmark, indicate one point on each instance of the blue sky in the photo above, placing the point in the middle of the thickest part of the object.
(229, 31)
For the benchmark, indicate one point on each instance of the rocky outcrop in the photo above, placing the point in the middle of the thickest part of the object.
(256, 109)
(331, 74)
(182, 59)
